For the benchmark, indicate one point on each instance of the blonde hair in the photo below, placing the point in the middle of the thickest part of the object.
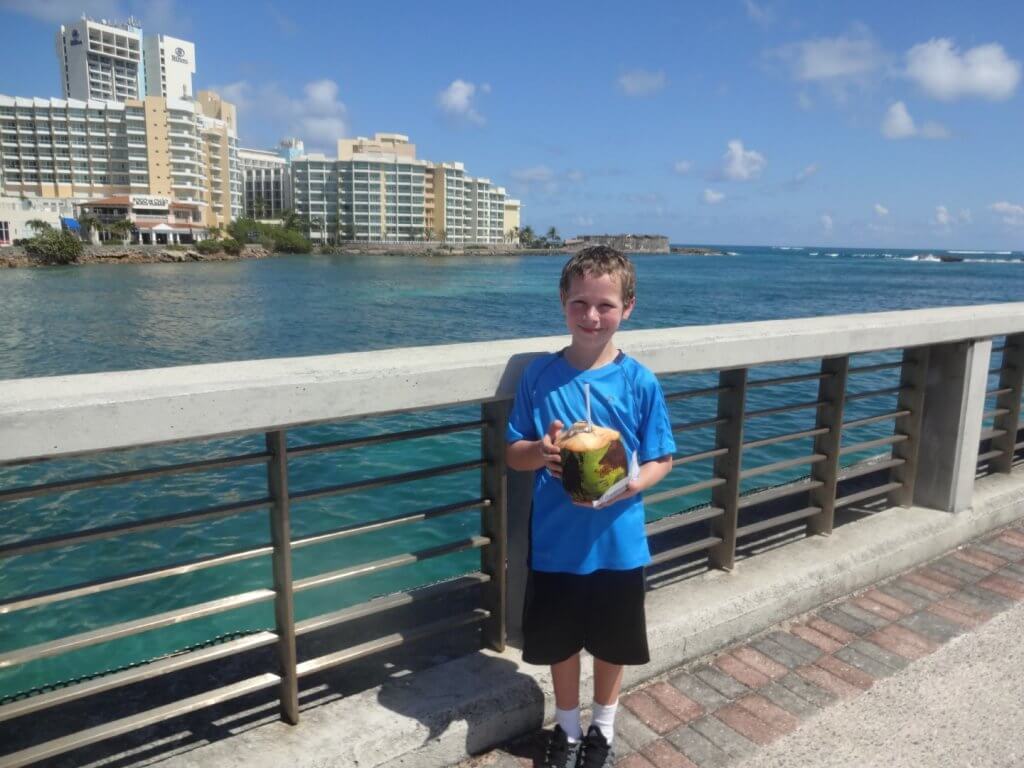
(598, 260)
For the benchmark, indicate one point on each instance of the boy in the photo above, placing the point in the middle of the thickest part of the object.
(586, 581)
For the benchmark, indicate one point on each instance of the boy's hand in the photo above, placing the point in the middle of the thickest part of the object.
(632, 489)
(549, 451)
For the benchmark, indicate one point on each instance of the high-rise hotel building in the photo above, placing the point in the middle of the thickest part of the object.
(70, 149)
(378, 191)
(101, 60)
(267, 179)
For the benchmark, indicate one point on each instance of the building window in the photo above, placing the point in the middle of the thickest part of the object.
(5, 233)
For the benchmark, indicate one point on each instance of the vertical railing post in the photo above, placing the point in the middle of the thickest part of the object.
(494, 521)
(954, 404)
(284, 608)
(731, 404)
(913, 382)
(831, 390)
(1011, 377)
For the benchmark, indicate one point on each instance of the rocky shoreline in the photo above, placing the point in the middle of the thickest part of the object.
(16, 256)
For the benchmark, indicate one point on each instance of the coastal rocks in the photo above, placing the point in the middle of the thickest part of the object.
(15, 256)
(687, 250)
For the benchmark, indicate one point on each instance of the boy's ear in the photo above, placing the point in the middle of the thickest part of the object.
(628, 309)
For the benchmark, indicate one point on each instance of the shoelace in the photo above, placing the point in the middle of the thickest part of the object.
(556, 752)
(593, 752)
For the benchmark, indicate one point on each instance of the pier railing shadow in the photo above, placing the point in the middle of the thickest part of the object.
(786, 429)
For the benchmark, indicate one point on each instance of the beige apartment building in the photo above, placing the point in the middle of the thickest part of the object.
(377, 190)
(76, 150)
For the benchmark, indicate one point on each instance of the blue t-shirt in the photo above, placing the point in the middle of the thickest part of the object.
(625, 396)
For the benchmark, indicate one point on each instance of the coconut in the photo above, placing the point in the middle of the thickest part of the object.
(593, 460)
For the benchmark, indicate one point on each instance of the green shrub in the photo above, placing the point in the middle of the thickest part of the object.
(55, 247)
(208, 247)
(231, 246)
(290, 241)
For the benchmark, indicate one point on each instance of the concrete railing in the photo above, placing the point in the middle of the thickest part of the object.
(939, 436)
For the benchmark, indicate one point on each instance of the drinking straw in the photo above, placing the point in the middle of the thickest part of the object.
(586, 398)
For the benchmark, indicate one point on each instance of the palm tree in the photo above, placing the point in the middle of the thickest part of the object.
(91, 227)
(122, 229)
(552, 235)
(38, 226)
(527, 236)
(290, 219)
(215, 232)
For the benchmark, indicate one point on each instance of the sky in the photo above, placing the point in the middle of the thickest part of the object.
(873, 124)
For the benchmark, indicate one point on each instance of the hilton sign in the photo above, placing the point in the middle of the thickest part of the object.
(179, 56)
(140, 201)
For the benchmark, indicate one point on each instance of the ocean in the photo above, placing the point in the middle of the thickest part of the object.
(109, 318)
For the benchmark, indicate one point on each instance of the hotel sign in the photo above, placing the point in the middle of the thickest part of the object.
(144, 201)
(179, 56)
(75, 37)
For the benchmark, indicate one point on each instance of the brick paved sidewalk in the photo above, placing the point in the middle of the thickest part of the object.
(720, 709)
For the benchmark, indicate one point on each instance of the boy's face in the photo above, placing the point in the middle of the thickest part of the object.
(594, 309)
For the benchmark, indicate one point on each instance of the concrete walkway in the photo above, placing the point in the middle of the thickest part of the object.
(926, 669)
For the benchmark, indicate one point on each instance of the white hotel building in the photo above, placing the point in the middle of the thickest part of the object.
(378, 191)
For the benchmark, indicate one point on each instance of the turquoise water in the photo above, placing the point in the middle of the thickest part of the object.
(106, 318)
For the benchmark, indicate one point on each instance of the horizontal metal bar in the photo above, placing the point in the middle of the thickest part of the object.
(853, 498)
(700, 456)
(868, 444)
(777, 521)
(681, 520)
(381, 482)
(391, 437)
(703, 485)
(778, 466)
(158, 668)
(997, 392)
(703, 424)
(995, 412)
(685, 549)
(116, 478)
(876, 393)
(141, 720)
(787, 408)
(781, 492)
(788, 379)
(990, 432)
(387, 642)
(389, 602)
(331, 577)
(875, 367)
(137, 526)
(989, 455)
(134, 627)
(867, 467)
(998, 349)
(889, 416)
(139, 577)
(688, 393)
(389, 522)
(785, 438)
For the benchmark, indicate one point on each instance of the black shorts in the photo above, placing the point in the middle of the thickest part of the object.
(602, 612)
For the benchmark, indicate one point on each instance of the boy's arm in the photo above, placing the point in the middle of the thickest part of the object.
(527, 455)
(651, 473)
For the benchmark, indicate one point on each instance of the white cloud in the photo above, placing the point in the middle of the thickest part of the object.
(943, 72)
(640, 82)
(711, 197)
(682, 167)
(457, 100)
(943, 218)
(898, 124)
(806, 173)
(826, 59)
(804, 101)
(317, 117)
(827, 223)
(581, 220)
(1012, 213)
(742, 164)
(881, 210)
(761, 14)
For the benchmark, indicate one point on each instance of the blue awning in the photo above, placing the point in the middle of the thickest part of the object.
(69, 223)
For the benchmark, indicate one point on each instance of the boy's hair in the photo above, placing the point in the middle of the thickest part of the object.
(600, 260)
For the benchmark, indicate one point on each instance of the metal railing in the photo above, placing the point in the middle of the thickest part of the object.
(746, 399)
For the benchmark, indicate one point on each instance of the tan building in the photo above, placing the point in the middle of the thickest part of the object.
(77, 151)
(513, 218)
(378, 191)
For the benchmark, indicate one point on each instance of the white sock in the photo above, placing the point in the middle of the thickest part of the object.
(604, 718)
(569, 720)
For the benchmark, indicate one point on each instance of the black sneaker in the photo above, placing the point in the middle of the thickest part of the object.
(560, 753)
(595, 752)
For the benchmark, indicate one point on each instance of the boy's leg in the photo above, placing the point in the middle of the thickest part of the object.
(565, 677)
(607, 682)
